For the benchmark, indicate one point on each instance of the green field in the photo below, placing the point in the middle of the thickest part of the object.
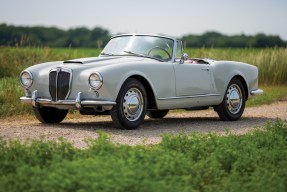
(256, 161)
(272, 64)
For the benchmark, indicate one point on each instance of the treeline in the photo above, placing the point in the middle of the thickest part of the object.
(52, 36)
(82, 37)
(214, 39)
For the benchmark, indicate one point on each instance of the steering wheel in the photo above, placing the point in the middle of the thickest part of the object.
(169, 57)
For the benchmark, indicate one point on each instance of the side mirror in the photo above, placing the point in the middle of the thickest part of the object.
(183, 58)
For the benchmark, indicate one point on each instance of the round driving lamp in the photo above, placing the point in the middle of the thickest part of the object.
(95, 80)
(26, 79)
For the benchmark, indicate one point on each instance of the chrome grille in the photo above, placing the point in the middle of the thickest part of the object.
(59, 83)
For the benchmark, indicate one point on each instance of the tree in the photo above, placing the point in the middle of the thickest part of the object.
(82, 37)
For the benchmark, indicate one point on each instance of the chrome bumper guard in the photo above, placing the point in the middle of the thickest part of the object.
(256, 92)
(67, 104)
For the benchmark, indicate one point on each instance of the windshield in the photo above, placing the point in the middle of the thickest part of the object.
(158, 48)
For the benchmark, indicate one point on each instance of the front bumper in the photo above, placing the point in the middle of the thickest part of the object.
(79, 103)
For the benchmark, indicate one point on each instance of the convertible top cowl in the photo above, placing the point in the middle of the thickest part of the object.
(200, 61)
(208, 60)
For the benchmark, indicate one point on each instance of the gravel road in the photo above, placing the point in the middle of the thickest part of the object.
(76, 130)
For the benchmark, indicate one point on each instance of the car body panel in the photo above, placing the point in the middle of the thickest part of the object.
(174, 84)
(192, 79)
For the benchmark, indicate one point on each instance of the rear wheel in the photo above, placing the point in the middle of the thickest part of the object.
(129, 112)
(157, 114)
(49, 114)
(233, 104)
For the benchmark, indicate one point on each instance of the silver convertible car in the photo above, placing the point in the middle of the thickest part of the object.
(137, 75)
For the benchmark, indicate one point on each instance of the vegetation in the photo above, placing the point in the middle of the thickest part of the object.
(271, 64)
(271, 94)
(214, 39)
(256, 161)
(14, 59)
(82, 37)
(53, 37)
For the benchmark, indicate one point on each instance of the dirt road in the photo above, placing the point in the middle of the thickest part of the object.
(76, 130)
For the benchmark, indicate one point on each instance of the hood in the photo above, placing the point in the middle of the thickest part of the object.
(89, 60)
(86, 63)
(103, 60)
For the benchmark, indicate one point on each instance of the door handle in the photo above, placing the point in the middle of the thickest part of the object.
(205, 69)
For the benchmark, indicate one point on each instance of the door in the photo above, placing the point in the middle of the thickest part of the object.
(192, 79)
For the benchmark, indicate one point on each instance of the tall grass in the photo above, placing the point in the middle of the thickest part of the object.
(14, 59)
(256, 161)
(272, 64)
(10, 92)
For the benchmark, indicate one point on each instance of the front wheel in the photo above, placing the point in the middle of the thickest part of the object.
(49, 114)
(233, 104)
(129, 112)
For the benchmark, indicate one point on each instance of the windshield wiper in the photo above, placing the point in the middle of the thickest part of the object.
(145, 56)
(108, 54)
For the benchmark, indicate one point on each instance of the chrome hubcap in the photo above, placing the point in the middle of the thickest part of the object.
(133, 104)
(234, 99)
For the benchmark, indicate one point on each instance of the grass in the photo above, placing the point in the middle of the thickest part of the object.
(256, 161)
(14, 59)
(271, 94)
(271, 62)
(10, 93)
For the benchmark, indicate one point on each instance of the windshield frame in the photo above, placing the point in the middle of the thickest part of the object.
(147, 35)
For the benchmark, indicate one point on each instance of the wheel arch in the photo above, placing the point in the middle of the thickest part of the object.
(243, 81)
(151, 104)
(227, 110)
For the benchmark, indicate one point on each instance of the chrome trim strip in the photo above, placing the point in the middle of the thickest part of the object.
(186, 97)
(257, 92)
(57, 76)
(151, 35)
(68, 102)
(34, 98)
(59, 69)
(97, 103)
(78, 103)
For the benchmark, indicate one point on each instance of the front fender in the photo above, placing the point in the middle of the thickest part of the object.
(129, 74)
(160, 77)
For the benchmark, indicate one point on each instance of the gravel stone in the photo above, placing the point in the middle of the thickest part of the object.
(77, 130)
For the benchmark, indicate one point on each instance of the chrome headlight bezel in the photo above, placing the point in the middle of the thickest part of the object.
(26, 79)
(95, 80)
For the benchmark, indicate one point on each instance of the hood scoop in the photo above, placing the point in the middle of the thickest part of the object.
(88, 60)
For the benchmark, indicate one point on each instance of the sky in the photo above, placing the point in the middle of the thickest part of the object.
(170, 17)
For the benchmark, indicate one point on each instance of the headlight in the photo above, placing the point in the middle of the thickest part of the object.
(95, 80)
(26, 79)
